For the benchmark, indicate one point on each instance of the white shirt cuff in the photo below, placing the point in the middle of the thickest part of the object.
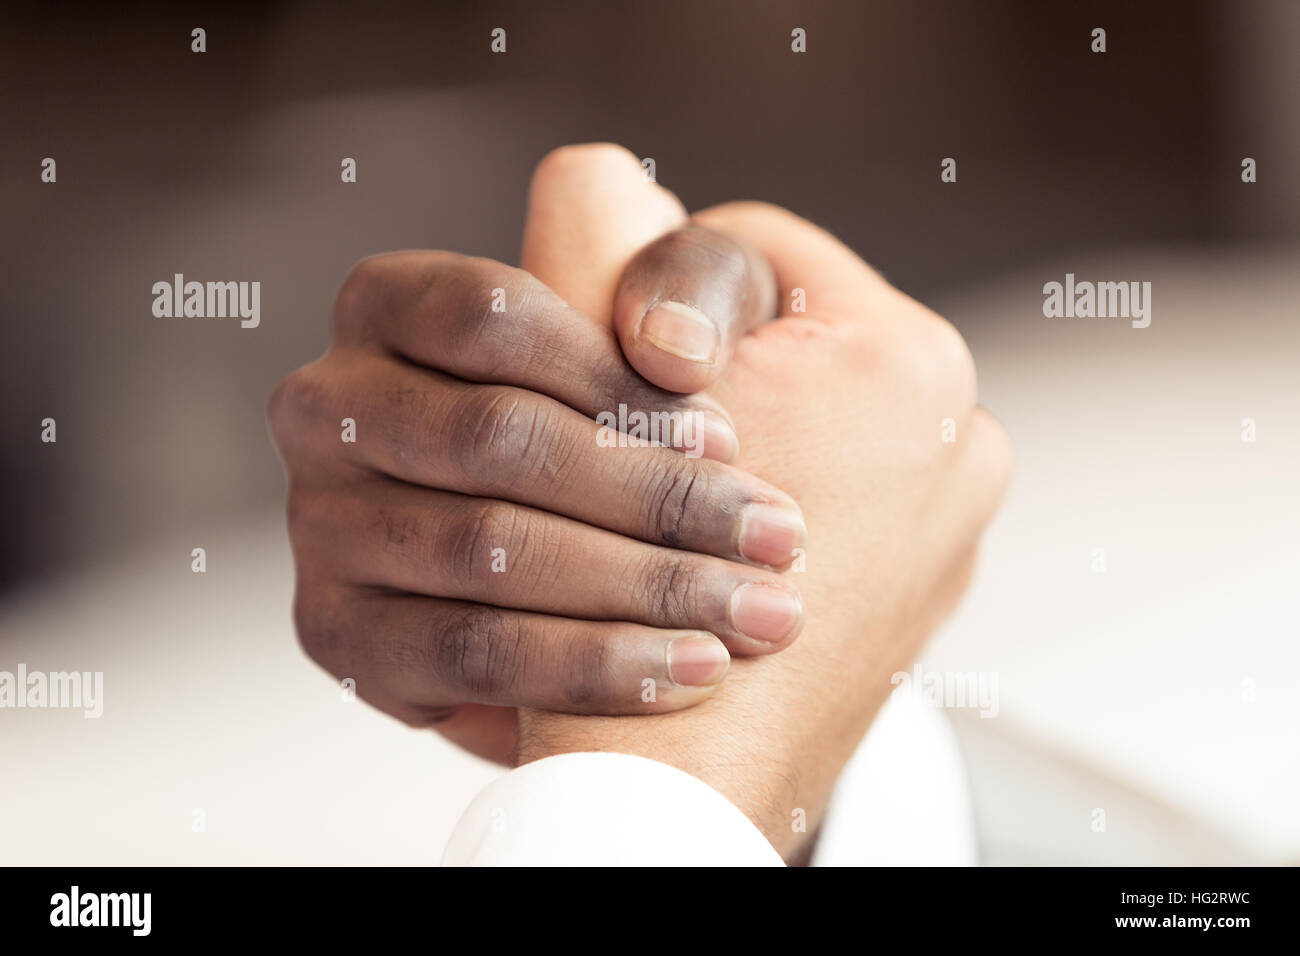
(604, 809)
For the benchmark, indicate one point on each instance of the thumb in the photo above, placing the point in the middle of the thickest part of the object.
(686, 300)
(590, 209)
(619, 248)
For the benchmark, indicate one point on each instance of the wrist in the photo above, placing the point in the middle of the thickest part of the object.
(762, 785)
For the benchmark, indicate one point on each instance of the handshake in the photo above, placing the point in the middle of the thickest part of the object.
(496, 547)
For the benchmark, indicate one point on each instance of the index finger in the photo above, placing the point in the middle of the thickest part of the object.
(489, 323)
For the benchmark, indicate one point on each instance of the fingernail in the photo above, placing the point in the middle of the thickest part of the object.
(717, 438)
(769, 534)
(681, 330)
(697, 661)
(764, 612)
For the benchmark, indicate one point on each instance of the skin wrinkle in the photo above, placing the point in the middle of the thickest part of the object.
(562, 460)
(681, 512)
(474, 538)
(539, 462)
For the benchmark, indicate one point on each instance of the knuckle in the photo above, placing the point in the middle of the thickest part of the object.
(936, 358)
(676, 486)
(278, 402)
(363, 290)
(478, 303)
(997, 456)
(669, 586)
(480, 651)
(479, 529)
(302, 397)
(285, 401)
(954, 360)
(317, 618)
(502, 435)
(304, 509)
(304, 622)
(587, 672)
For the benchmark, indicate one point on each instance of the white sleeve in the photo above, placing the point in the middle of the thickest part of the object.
(604, 809)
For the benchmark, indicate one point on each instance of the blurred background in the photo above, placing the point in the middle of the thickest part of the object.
(1162, 689)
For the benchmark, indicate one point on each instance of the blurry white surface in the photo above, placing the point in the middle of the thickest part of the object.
(1175, 669)
(209, 704)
